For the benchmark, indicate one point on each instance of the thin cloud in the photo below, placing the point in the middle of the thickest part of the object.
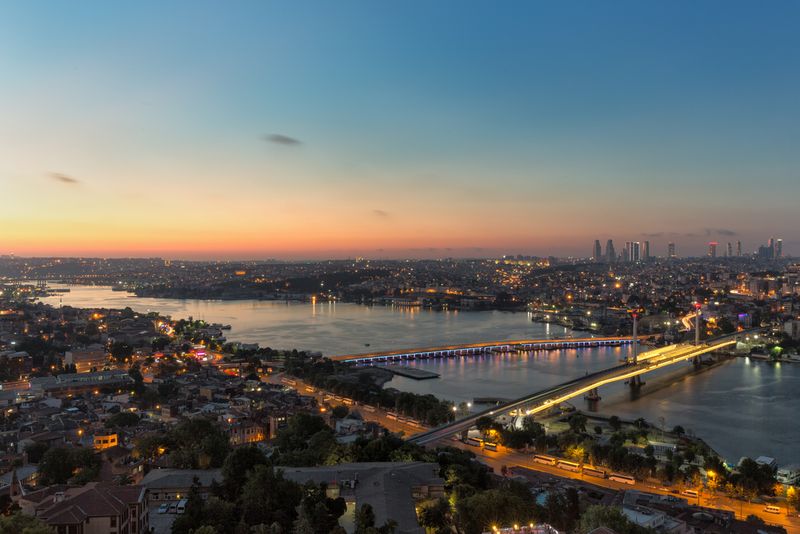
(380, 213)
(285, 140)
(63, 178)
(654, 234)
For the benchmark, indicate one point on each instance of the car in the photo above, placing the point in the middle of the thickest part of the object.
(164, 508)
(173, 508)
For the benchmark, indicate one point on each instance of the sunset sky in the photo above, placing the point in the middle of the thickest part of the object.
(390, 129)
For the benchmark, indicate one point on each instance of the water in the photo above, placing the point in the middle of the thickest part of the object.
(741, 407)
(331, 328)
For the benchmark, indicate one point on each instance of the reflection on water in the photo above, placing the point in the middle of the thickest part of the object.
(740, 407)
(333, 328)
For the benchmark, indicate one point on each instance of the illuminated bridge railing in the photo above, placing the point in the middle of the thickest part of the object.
(476, 349)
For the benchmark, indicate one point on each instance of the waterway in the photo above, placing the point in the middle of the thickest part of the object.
(740, 407)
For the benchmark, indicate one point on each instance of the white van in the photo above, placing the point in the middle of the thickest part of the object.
(182, 506)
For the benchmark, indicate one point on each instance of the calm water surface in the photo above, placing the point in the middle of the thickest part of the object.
(740, 407)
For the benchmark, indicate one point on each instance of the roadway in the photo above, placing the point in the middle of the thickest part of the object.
(546, 399)
(511, 458)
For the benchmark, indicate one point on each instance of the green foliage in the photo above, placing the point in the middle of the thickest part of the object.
(494, 507)
(60, 464)
(267, 497)
(237, 466)
(191, 444)
(19, 523)
(122, 419)
(338, 377)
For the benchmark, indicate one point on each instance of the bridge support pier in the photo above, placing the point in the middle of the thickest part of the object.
(636, 381)
(593, 395)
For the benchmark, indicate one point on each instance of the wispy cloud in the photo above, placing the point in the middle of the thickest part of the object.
(380, 213)
(63, 178)
(721, 231)
(280, 139)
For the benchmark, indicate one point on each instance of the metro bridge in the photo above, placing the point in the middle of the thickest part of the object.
(548, 398)
(474, 349)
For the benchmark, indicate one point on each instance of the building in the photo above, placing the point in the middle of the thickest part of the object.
(646, 253)
(393, 489)
(611, 254)
(91, 509)
(738, 248)
(712, 249)
(88, 359)
(729, 252)
(174, 484)
(105, 441)
(671, 250)
(597, 253)
(779, 248)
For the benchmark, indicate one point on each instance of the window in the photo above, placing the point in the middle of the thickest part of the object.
(113, 521)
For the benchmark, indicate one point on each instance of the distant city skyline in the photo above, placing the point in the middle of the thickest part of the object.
(330, 130)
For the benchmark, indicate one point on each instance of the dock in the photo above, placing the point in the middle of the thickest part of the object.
(409, 372)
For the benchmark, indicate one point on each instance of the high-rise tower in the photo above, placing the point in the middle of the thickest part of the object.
(611, 254)
(597, 253)
(671, 250)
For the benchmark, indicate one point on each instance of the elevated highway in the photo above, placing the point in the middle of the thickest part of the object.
(546, 399)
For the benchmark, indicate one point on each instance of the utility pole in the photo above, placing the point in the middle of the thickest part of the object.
(697, 307)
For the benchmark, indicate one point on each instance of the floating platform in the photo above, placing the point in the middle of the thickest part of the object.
(409, 372)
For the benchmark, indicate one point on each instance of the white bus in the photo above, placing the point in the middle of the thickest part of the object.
(568, 466)
(490, 446)
(593, 472)
(544, 459)
(771, 509)
(624, 479)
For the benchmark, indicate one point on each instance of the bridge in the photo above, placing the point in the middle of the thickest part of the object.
(474, 349)
(548, 398)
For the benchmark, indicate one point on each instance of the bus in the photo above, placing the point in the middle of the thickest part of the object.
(624, 479)
(544, 459)
(490, 446)
(347, 402)
(568, 466)
(288, 381)
(309, 389)
(690, 493)
(593, 472)
(475, 442)
(771, 509)
(370, 409)
(391, 415)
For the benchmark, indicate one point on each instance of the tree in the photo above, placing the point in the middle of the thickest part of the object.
(120, 351)
(577, 423)
(236, 467)
(267, 497)
(122, 419)
(56, 466)
(614, 423)
(434, 515)
(19, 523)
(607, 516)
(365, 519)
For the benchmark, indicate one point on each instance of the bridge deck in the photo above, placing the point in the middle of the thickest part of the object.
(487, 345)
(550, 397)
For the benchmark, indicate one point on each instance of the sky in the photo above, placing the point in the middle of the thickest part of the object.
(257, 129)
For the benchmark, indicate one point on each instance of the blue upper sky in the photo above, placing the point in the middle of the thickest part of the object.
(405, 128)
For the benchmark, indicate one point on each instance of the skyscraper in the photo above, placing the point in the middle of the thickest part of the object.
(636, 251)
(779, 248)
(712, 249)
(729, 252)
(597, 253)
(738, 248)
(646, 253)
(671, 250)
(611, 254)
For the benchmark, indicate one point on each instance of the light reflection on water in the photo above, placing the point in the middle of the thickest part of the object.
(741, 407)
